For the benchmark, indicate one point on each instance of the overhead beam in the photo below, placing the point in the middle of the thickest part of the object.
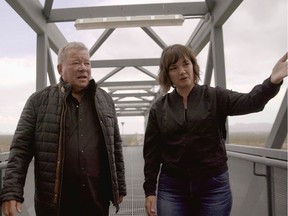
(55, 37)
(132, 105)
(116, 70)
(47, 8)
(200, 36)
(71, 14)
(139, 111)
(133, 95)
(103, 37)
(134, 102)
(125, 62)
(146, 72)
(130, 113)
(222, 10)
(31, 12)
(128, 83)
(153, 35)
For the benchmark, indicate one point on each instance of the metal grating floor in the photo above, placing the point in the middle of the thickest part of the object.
(133, 203)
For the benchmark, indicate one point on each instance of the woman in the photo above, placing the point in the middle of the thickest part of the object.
(186, 134)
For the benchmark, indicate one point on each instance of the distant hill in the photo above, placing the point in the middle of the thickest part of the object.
(251, 127)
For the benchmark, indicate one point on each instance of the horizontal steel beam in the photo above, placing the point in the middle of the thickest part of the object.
(71, 14)
(134, 95)
(125, 63)
(134, 102)
(136, 106)
(128, 83)
(123, 114)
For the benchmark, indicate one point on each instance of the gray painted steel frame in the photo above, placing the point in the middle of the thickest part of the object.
(209, 30)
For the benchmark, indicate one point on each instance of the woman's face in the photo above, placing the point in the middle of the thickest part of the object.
(181, 73)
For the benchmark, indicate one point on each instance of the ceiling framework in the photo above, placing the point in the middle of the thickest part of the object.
(134, 97)
(43, 19)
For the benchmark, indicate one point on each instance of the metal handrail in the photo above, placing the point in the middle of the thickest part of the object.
(258, 159)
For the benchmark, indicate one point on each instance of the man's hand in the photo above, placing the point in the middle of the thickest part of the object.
(11, 208)
(120, 200)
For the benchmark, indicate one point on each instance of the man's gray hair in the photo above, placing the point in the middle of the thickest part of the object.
(62, 54)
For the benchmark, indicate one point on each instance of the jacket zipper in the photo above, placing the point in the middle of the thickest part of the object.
(59, 167)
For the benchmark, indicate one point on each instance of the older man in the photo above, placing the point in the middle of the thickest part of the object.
(71, 130)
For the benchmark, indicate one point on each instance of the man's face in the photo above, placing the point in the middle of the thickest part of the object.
(76, 69)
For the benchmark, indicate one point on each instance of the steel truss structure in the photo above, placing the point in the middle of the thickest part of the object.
(138, 95)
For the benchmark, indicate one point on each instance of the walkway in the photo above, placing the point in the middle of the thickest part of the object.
(258, 179)
(133, 203)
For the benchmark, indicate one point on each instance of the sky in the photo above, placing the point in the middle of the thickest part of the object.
(255, 37)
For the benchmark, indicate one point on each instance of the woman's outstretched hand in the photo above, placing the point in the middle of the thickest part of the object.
(280, 70)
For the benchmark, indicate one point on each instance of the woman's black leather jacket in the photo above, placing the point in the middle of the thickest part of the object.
(191, 143)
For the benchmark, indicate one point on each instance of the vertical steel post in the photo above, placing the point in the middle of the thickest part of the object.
(269, 191)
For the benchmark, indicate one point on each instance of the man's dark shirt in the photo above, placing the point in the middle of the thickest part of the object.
(85, 159)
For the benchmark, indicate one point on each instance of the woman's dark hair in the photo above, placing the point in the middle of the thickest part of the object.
(170, 55)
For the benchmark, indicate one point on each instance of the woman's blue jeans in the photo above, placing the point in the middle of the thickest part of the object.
(184, 197)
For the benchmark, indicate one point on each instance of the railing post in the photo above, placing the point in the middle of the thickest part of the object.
(1, 171)
(269, 191)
